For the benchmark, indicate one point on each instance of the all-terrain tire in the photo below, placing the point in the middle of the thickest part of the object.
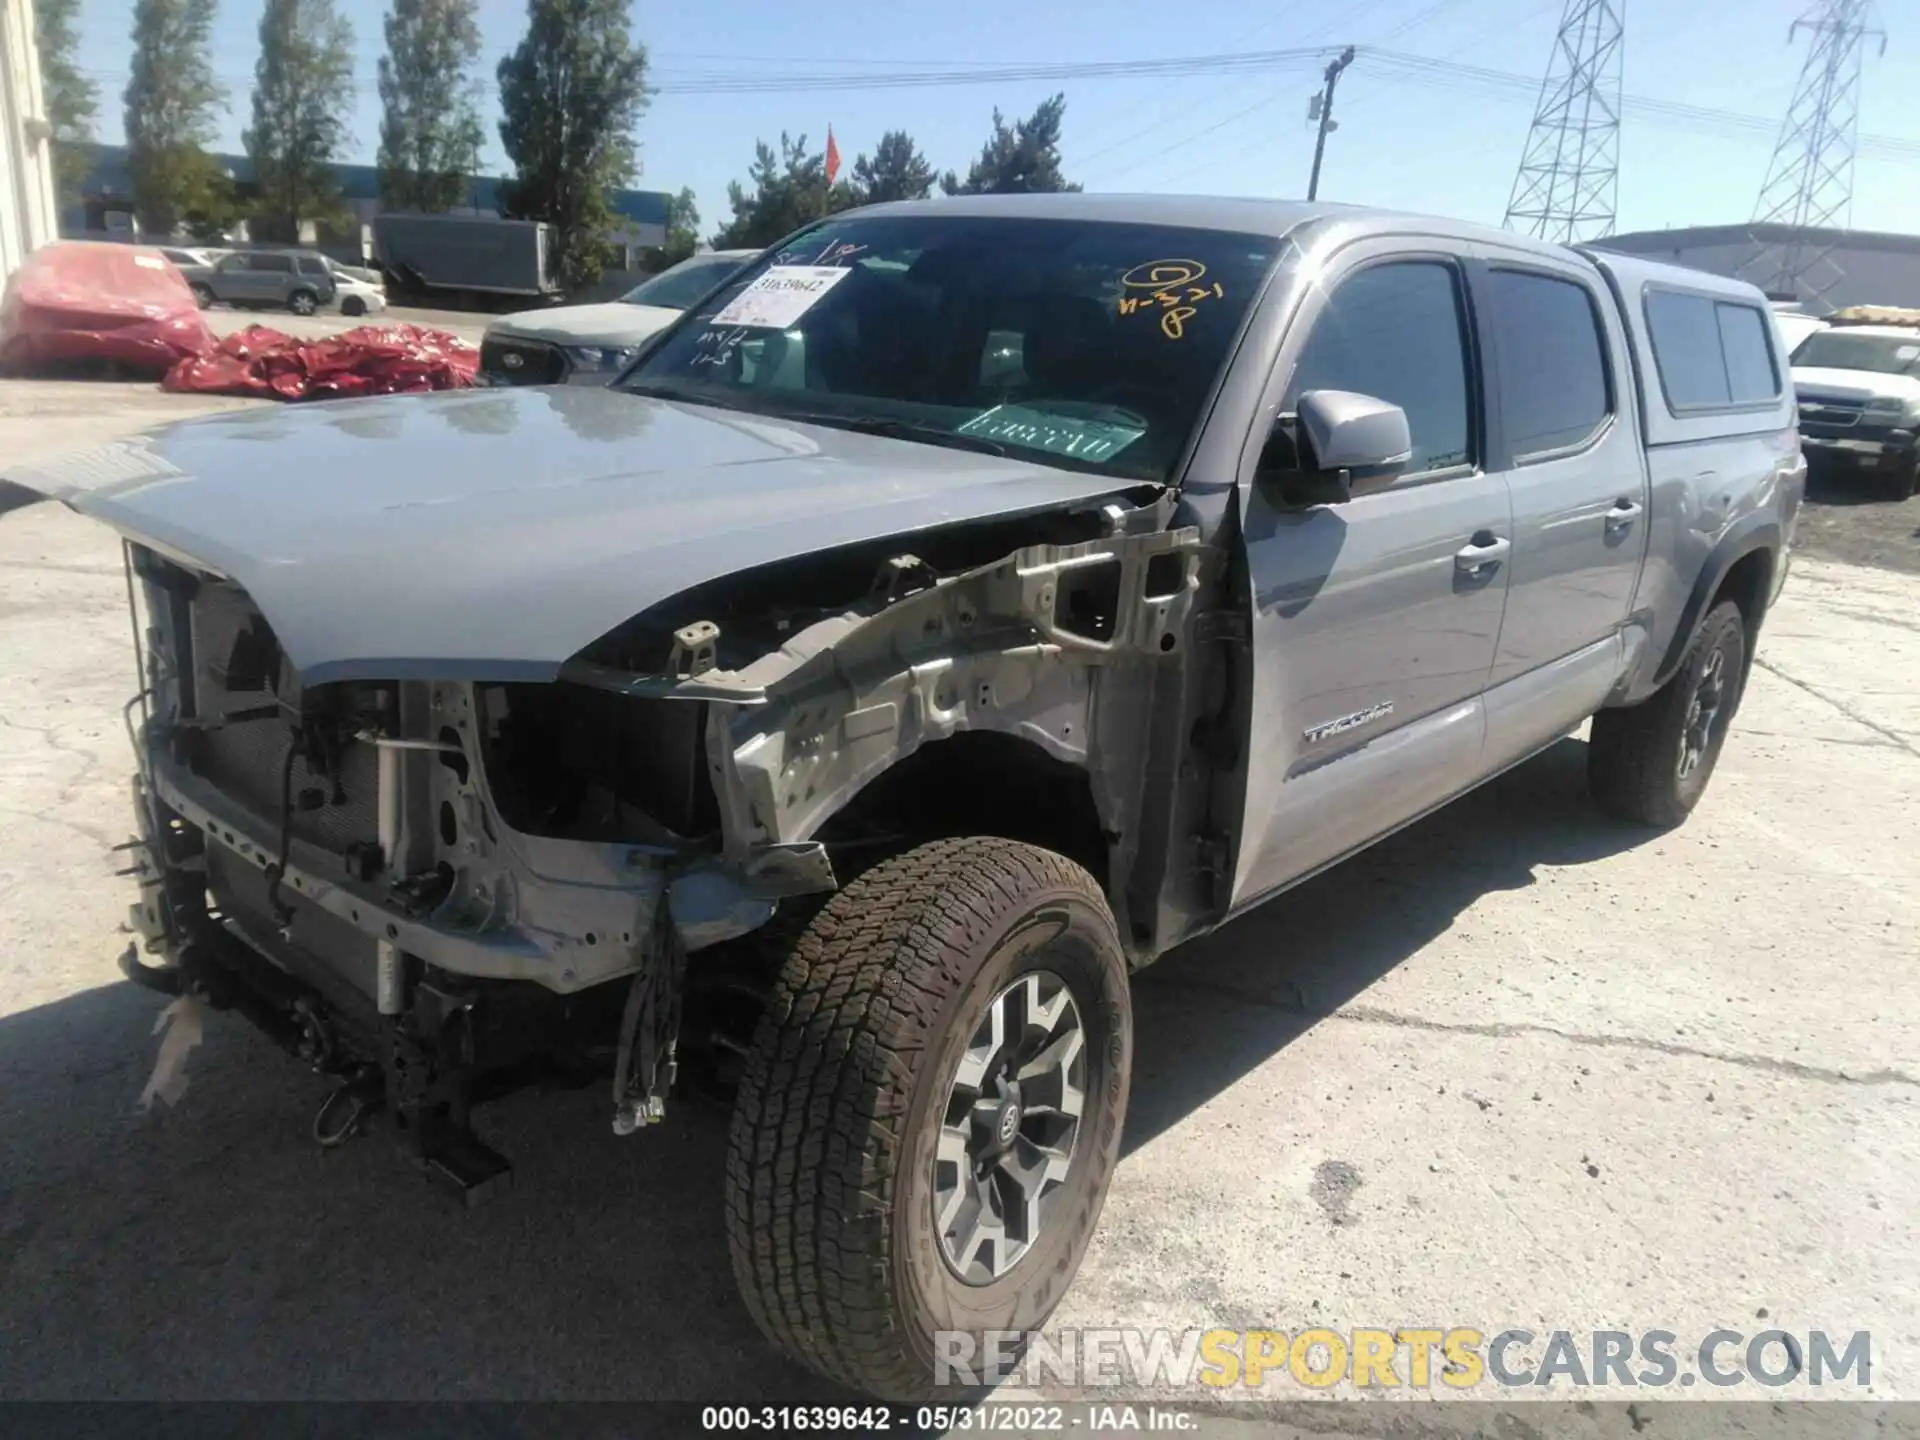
(831, 1164)
(1634, 754)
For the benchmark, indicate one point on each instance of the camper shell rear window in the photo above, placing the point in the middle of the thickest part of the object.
(1712, 353)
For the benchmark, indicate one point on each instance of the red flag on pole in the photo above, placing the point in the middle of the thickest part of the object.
(833, 156)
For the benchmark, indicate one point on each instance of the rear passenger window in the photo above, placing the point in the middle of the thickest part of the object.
(1552, 361)
(1749, 354)
(1710, 353)
(1393, 332)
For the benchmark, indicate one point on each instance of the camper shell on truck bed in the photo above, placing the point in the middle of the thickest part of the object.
(964, 604)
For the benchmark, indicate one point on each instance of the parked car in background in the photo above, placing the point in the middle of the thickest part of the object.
(358, 291)
(195, 258)
(1858, 384)
(98, 303)
(590, 344)
(298, 280)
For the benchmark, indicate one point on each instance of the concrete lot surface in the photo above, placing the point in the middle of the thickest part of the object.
(1517, 1066)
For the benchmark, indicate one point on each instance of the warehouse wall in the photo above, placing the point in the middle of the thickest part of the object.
(1869, 276)
(27, 214)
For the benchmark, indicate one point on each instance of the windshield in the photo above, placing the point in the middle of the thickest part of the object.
(1882, 354)
(1088, 344)
(678, 287)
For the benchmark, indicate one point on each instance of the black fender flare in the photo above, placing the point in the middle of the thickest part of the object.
(1754, 533)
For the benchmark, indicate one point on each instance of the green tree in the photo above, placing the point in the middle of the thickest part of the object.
(789, 189)
(571, 97)
(1018, 159)
(430, 132)
(897, 171)
(302, 92)
(683, 233)
(72, 100)
(172, 105)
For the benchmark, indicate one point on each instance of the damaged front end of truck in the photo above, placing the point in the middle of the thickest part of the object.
(439, 889)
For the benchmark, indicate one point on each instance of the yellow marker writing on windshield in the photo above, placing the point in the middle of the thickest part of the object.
(1163, 274)
(1166, 280)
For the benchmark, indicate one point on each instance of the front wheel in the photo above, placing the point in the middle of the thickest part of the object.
(303, 302)
(930, 1114)
(1650, 762)
(202, 296)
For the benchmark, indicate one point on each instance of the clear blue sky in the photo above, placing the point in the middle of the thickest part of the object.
(1435, 144)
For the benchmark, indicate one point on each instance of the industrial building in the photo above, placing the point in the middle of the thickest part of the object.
(105, 207)
(1843, 267)
(27, 207)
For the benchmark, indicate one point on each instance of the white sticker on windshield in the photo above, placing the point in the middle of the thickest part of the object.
(149, 262)
(1906, 352)
(781, 296)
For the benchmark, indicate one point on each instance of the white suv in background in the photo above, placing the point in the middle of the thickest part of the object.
(590, 344)
(1858, 387)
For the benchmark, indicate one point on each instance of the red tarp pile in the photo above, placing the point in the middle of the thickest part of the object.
(78, 300)
(372, 360)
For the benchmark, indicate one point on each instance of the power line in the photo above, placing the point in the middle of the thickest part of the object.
(1387, 63)
(1317, 33)
(1130, 167)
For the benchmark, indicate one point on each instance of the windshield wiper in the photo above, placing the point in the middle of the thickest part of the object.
(897, 429)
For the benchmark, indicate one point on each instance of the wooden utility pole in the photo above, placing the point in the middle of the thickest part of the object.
(1323, 102)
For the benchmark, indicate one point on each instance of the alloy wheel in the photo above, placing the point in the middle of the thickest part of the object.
(1009, 1129)
(1703, 712)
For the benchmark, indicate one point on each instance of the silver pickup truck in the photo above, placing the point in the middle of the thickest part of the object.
(965, 604)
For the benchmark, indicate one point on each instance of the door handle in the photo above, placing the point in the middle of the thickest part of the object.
(1482, 553)
(1623, 514)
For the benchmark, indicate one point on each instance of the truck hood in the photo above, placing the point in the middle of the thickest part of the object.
(493, 534)
(1813, 382)
(613, 323)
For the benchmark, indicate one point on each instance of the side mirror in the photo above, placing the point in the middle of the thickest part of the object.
(1338, 445)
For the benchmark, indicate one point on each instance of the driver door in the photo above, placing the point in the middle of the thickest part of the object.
(1375, 621)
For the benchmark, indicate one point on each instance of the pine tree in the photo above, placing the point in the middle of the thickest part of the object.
(430, 133)
(789, 189)
(1018, 159)
(571, 97)
(172, 103)
(302, 92)
(897, 171)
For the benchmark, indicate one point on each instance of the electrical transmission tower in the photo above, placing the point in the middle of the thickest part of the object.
(1569, 178)
(1809, 184)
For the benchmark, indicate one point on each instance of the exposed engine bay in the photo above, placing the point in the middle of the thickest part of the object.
(439, 890)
